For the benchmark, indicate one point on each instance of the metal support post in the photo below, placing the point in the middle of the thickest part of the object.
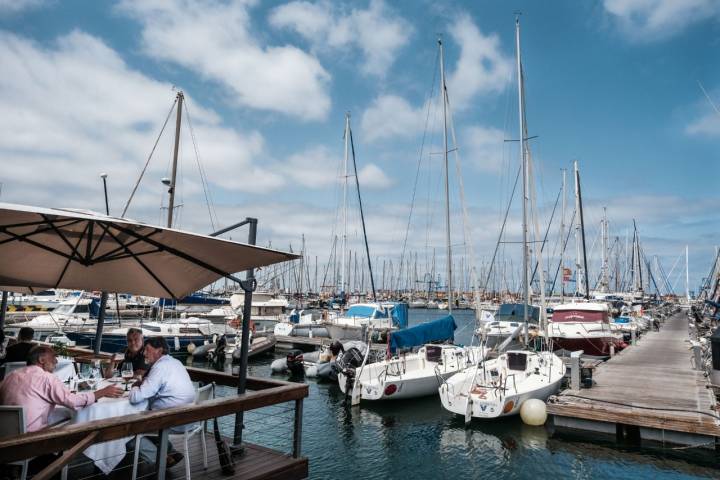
(100, 322)
(248, 287)
(297, 432)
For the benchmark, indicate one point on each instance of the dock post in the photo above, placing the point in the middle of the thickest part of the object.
(297, 432)
(633, 337)
(612, 350)
(697, 356)
(575, 369)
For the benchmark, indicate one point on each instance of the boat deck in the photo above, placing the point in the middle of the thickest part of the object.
(648, 391)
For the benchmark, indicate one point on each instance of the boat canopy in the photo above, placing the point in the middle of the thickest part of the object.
(435, 331)
(365, 311)
(400, 315)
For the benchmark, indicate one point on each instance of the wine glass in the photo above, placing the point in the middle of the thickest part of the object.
(93, 378)
(127, 373)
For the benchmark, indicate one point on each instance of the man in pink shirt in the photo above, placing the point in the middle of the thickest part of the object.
(37, 390)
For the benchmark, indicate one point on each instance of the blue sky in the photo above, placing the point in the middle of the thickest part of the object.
(613, 84)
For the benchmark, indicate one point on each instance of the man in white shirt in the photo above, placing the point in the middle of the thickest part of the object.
(166, 385)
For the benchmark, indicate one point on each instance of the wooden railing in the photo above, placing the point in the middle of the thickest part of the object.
(75, 438)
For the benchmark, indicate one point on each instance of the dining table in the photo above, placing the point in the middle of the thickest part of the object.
(106, 455)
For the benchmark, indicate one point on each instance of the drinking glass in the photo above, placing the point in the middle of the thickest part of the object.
(127, 373)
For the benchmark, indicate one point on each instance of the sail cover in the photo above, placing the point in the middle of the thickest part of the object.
(435, 331)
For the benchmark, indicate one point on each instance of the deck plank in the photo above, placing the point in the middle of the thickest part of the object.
(651, 384)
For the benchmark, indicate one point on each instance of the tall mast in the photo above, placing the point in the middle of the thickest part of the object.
(345, 219)
(562, 239)
(523, 160)
(687, 273)
(443, 87)
(604, 273)
(579, 277)
(582, 233)
(171, 189)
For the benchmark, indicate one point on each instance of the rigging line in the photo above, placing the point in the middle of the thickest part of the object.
(708, 98)
(502, 229)
(203, 177)
(132, 194)
(547, 231)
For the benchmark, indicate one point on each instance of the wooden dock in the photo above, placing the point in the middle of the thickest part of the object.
(649, 391)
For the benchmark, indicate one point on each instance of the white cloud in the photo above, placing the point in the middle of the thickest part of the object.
(648, 20)
(215, 40)
(315, 167)
(376, 30)
(373, 178)
(482, 147)
(482, 67)
(12, 7)
(75, 109)
(391, 116)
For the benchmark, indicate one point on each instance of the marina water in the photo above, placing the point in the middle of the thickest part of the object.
(418, 439)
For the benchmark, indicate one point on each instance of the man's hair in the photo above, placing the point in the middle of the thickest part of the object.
(38, 351)
(158, 342)
(25, 334)
(133, 331)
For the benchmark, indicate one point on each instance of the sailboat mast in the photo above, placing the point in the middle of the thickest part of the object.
(345, 219)
(443, 87)
(687, 273)
(562, 238)
(523, 160)
(605, 282)
(582, 233)
(171, 189)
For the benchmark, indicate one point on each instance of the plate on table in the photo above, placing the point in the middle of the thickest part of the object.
(116, 380)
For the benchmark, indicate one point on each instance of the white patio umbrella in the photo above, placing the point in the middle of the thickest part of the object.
(82, 250)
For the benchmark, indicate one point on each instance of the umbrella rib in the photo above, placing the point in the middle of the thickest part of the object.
(24, 238)
(150, 272)
(178, 253)
(53, 227)
(4, 229)
(105, 228)
(122, 246)
(120, 256)
(67, 264)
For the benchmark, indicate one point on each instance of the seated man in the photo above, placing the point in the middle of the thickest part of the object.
(134, 354)
(19, 351)
(166, 385)
(37, 390)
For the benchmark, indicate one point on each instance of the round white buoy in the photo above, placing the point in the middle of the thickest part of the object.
(311, 371)
(279, 365)
(191, 347)
(533, 412)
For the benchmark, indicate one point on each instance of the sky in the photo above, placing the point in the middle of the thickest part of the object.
(615, 84)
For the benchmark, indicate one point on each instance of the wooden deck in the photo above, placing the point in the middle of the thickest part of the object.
(650, 387)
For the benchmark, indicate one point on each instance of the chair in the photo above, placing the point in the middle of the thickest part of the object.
(12, 424)
(203, 393)
(12, 366)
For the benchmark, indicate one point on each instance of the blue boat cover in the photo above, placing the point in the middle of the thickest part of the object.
(400, 315)
(622, 320)
(360, 311)
(435, 331)
(712, 304)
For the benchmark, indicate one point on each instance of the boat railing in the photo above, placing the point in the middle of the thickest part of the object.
(268, 415)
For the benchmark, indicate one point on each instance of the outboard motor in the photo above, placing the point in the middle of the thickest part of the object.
(336, 347)
(294, 361)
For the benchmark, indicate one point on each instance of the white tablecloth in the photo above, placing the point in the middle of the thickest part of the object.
(64, 369)
(107, 455)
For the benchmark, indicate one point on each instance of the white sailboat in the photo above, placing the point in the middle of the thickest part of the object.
(498, 387)
(417, 374)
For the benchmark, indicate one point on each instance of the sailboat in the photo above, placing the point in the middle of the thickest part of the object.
(498, 387)
(360, 318)
(417, 374)
(583, 325)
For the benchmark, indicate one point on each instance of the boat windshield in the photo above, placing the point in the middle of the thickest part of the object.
(66, 308)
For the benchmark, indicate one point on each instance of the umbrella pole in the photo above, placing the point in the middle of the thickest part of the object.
(100, 321)
(3, 308)
(248, 286)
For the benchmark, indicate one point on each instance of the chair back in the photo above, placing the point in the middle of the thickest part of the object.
(12, 366)
(205, 393)
(12, 421)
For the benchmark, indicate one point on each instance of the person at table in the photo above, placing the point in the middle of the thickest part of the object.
(167, 384)
(37, 390)
(133, 354)
(19, 351)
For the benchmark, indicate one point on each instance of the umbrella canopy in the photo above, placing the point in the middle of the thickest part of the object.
(81, 250)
